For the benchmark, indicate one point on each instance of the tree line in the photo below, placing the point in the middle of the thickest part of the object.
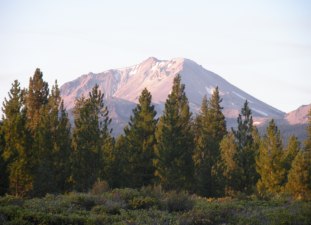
(42, 153)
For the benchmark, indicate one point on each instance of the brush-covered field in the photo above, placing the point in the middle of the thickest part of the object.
(150, 206)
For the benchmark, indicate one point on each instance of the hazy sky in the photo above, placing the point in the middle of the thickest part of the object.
(262, 47)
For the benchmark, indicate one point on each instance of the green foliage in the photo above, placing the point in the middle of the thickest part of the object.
(91, 138)
(209, 130)
(243, 176)
(52, 143)
(177, 201)
(139, 141)
(231, 169)
(4, 177)
(290, 152)
(16, 138)
(299, 177)
(36, 97)
(129, 206)
(115, 163)
(174, 148)
(269, 162)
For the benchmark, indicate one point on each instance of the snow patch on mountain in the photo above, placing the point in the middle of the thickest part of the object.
(260, 112)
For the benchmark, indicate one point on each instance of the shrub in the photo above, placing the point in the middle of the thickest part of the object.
(11, 200)
(177, 201)
(125, 194)
(82, 201)
(100, 187)
(143, 202)
(110, 206)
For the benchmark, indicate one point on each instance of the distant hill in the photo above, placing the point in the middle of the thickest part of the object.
(294, 123)
(298, 116)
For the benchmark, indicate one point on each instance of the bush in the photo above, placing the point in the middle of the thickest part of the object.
(100, 187)
(142, 202)
(110, 206)
(11, 200)
(125, 194)
(177, 201)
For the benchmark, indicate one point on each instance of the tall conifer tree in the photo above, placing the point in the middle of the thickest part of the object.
(16, 137)
(246, 150)
(299, 177)
(290, 152)
(90, 137)
(269, 162)
(140, 141)
(174, 148)
(4, 178)
(52, 141)
(210, 128)
(36, 98)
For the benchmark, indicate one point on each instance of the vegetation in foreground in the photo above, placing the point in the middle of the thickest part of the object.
(150, 206)
(40, 154)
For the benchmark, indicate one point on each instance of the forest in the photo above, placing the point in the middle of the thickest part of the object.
(178, 168)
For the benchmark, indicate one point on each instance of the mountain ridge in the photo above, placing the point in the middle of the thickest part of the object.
(299, 115)
(122, 88)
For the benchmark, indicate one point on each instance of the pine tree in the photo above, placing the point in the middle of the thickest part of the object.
(62, 150)
(116, 164)
(292, 149)
(16, 138)
(246, 151)
(174, 148)
(210, 128)
(299, 177)
(37, 96)
(140, 141)
(269, 162)
(36, 100)
(230, 167)
(4, 177)
(52, 143)
(231, 164)
(91, 136)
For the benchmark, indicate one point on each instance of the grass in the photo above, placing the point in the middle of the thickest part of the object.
(149, 206)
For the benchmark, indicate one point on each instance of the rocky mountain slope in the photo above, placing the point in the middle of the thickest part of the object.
(298, 116)
(122, 88)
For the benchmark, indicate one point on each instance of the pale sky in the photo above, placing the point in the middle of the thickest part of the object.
(262, 47)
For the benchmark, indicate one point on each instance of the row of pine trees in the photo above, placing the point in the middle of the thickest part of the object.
(42, 153)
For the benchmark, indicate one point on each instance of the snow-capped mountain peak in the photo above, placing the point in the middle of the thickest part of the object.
(124, 86)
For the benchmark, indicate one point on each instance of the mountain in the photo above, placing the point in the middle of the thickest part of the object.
(122, 88)
(298, 116)
(293, 123)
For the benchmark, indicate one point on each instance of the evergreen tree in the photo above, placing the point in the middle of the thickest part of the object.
(174, 148)
(52, 143)
(16, 138)
(116, 164)
(210, 128)
(299, 177)
(4, 177)
(269, 162)
(230, 167)
(292, 149)
(140, 141)
(37, 96)
(91, 137)
(246, 151)
(62, 150)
